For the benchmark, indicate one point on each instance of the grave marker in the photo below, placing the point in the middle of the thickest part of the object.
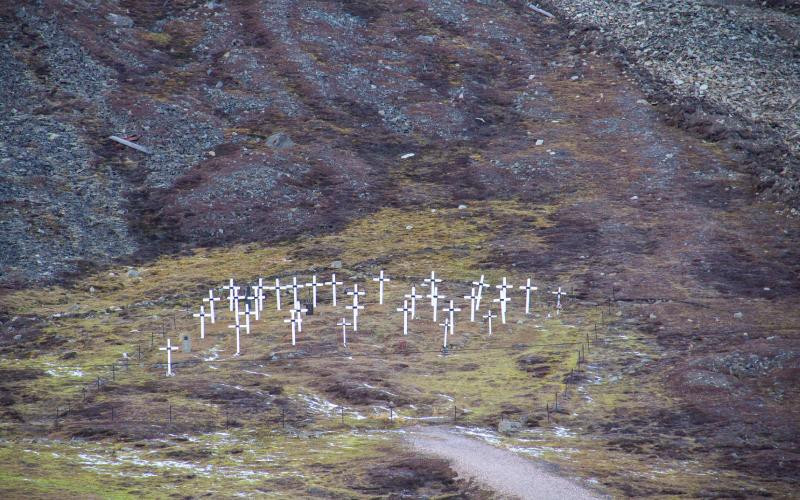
(503, 300)
(332, 283)
(169, 348)
(452, 310)
(277, 289)
(528, 288)
(434, 296)
(381, 279)
(211, 299)
(490, 315)
(405, 310)
(229, 287)
(238, 329)
(294, 322)
(344, 324)
(481, 284)
(202, 315)
(473, 298)
(314, 285)
(414, 296)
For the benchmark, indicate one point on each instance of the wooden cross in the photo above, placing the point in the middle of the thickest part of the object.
(355, 307)
(405, 310)
(558, 295)
(202, 315)
(314, 285)
(503, 300)
(236, 299)
(299, 310)
(490, 315)
(294, 323)
(238, 328)
(473, 298)
(259, 294)
(211, 299)
(277, 289)
(355, 292)
(528, 288)
(432, 284)
(380, 279)
(434, 296)
(254, 300)
(481, 284)
(344, 324)
(247, 313)
(503, 287)
(452, 310)
(294, 287)
(414, 296)
(332, 283)
(229, 287)
(169, 348)
(445, 326)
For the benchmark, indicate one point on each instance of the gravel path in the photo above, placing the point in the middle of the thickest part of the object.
(499, 469)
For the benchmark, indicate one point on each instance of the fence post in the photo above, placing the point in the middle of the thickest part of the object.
(114, 371)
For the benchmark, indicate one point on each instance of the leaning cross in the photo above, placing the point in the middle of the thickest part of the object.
(211, 299)
(332, 283)
(202, 315)
(314, 285)
(473, 298)
(528, 288)
(490, 315)
(380, 279)
(169, 350)
(405, 310)
(481, 284)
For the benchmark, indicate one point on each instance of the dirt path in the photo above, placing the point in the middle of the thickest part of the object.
(499, 469)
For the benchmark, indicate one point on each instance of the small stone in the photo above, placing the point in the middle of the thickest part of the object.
(652, 316)
(738, 315)
(462, 207)
(409, 227)
(17, 337)
(133, 273)
(336, 264)
(121, 21)
(279, 140)
(539, 142)
(574, 77)
(509, 426)
(91, 289)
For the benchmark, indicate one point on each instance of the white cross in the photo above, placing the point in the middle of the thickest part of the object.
(527, 287)
(202, 315)
(502, 300)
(298, 310)
(294, 287)
(169, 350)
(445, 326)
(432, 284)
(355, 307)
(344, 324)
(434, 296)
(332, 283)
(490, 315)
(503, 287)
(452, 310)
(259, 294)
(481, 284)
(294, 322)
(473, 298)
(405, 310)
(236, 298)
(229, 288)
(255, 304)
(211, 299)
(414, 296)
(558, 295)
(355, 293)
(238, 329)
(247, 313)
(314, 285)
(277, 289)
(380, 279)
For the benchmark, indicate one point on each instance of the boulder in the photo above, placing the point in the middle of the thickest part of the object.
(279, 140)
